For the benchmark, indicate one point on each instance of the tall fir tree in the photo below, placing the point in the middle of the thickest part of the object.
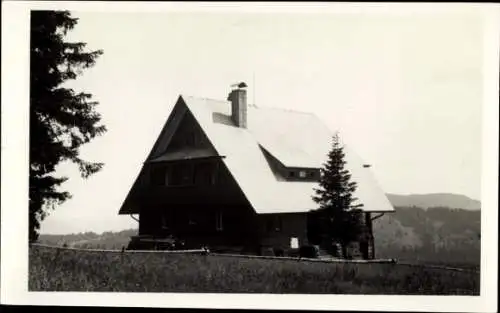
(338, 217)
(61, 120)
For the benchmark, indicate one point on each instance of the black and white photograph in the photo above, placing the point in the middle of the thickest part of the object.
(329, 153)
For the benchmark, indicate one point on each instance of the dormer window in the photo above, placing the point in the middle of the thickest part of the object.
(302, 174)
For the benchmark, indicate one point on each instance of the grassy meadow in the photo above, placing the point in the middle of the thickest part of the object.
(54, 269)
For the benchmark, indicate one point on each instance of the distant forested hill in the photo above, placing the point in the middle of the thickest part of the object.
(436, 235)
(106, 240)
(432, 200)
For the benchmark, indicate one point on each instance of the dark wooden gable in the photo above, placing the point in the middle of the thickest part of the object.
(181, 138)
(170, 127)
(186, 142)
(185, 158)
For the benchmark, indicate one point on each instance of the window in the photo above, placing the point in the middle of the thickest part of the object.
(302, 174)
(274, 224)
(277, 225)
(218, 221)
(167, 175)
(181, 175)
(158, 175)
(205, 174)
(192, 219)
(165, 222)
(269, 225)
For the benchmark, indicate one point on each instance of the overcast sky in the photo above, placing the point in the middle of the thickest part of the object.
(404, 90)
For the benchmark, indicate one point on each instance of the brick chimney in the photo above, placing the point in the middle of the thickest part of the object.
(238, 98)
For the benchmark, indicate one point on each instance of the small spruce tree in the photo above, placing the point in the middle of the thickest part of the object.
(338, 217)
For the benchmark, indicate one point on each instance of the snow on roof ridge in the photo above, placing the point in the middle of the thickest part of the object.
(254, 106)
(204, 98)
(285, 110)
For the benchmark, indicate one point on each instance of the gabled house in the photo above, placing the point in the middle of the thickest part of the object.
(232, 176)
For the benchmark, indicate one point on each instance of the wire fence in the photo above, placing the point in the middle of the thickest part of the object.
(321, 260)
(122, 250)
(439, 267)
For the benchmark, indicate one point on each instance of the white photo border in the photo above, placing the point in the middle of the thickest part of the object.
(14, 224)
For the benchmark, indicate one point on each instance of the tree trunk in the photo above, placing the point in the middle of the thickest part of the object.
(372, 243)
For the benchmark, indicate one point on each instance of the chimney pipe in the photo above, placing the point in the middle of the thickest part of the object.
(238, 98)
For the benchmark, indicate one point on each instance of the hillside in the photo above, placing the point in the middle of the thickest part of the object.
(435, 235)
(106, 240)
(431, 200)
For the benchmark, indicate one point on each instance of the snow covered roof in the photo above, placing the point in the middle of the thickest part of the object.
(296, 139)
